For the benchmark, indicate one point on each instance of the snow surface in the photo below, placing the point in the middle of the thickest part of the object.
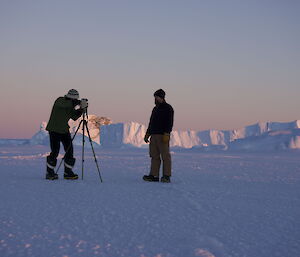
(14, 142)
(218, 204)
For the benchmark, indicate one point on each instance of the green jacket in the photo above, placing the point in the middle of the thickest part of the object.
(63, 110)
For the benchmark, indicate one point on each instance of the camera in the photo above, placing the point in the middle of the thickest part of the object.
(84, 103)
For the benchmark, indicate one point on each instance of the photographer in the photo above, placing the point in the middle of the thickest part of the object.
(63, 110)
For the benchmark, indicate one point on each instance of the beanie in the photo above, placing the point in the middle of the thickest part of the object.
(73, 94)
(161, 93)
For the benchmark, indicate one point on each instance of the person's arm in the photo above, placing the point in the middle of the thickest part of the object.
(146, 138)
(75, 114)
(169, 120)
(150, 122)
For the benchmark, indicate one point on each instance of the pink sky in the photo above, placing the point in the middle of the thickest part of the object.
(223, 65)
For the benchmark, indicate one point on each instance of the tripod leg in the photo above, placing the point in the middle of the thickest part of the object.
(83, 141)
(91, 142)
(68, 147)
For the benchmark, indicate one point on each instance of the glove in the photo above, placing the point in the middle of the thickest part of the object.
(146, 138)
(84, 104)
(76, 102)
(166, 138)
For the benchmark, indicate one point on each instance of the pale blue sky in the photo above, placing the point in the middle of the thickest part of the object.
(223, 64)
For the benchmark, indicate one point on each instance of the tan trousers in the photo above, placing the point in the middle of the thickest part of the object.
(159, 150)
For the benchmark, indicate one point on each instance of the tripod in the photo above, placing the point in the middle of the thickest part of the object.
(84, 123)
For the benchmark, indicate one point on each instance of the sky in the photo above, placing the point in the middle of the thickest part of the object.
(223, 64)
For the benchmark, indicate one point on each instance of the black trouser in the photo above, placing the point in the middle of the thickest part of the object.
(55, 140)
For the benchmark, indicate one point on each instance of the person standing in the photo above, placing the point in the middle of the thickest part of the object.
(159, 131)
(63, 110)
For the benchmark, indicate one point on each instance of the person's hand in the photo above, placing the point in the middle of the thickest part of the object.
(146, 138)
(166, 138)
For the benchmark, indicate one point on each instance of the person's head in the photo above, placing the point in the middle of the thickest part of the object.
(72, 94)
(159, 96)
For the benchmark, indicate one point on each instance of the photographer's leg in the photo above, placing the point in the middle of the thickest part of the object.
(52, 157)
(69, 158)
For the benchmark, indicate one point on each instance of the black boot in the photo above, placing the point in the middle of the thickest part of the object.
(151, 178)
(69, 174)
(165, 179)
(51, 175)
(69, 164)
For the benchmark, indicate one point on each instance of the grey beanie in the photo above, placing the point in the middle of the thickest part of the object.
(72, 94)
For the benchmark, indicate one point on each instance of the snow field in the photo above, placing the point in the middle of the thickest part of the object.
(218, 204)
